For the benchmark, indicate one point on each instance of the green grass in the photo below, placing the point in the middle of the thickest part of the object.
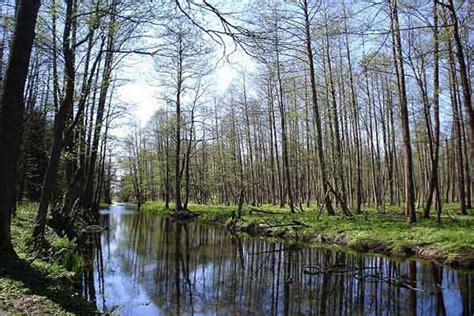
(48, 284)
(207, 213)
(449, 238)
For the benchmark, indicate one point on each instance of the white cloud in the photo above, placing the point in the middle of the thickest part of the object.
(141, 98)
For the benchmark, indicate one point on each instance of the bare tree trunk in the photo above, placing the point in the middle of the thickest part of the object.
(87, 199)
(50, 179)
(236, 140)
(167, 173)
(457, 131)
(220, 162)
(187, 172)
(339, 185)
(308, 147)
(316, 114)
(277, 159)
(467, 163)
(284, 138)
(177, 173)
(356, 129)
(408, 160)
(465, 83)
(108, 181)
(272, 155)
(249, 143)
(11, 113)
(433, 189)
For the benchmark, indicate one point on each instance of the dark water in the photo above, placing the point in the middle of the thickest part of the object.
(148, 265)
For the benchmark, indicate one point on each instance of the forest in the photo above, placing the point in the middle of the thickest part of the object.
(137, 138)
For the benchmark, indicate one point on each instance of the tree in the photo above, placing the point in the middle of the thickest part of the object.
(434, 185)
(408, 160)
(316, 111)
(11, 113)
(181, 66)
(465, 82)
(50, 179)
(457, 130)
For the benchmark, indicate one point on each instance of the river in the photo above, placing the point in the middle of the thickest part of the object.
(144, 264)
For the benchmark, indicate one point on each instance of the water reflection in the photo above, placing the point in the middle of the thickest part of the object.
(146, 264)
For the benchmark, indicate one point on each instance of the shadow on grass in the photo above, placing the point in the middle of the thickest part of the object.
(59, 290)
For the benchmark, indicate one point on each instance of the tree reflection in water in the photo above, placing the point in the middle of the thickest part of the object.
(146, 264)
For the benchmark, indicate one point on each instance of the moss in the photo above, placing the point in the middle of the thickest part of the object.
(372, 231)
(48, 284)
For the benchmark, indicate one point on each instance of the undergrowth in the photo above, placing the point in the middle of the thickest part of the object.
(46, 283)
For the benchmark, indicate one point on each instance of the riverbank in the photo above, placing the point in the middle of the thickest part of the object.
(46, 284)
(450, 242)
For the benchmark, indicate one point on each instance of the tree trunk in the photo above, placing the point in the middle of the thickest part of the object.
(433, 189)
(11, 115)
(249, 143)
(408, 159)
(339, 185)
(187, 172)
(316, 114)
(356, 133)
(177, 177)
(457, 131)
(284, 139)
(50, 179)
(87, 199)
(465, 83)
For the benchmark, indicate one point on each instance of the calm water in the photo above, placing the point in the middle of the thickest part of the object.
(147, 265)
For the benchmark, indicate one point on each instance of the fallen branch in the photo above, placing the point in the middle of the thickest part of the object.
(393, 281)
(320, 207)
(333, 269)
(344, 207)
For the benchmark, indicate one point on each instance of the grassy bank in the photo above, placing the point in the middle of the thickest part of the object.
(450, 242)
(38, 285)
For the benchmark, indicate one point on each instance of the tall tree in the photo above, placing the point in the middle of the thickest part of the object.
(433, 189)
(457, 132)
(87, 200)
(316, 111)
(11, 112)
(408, 159)
(463, 71)
(62, 115)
